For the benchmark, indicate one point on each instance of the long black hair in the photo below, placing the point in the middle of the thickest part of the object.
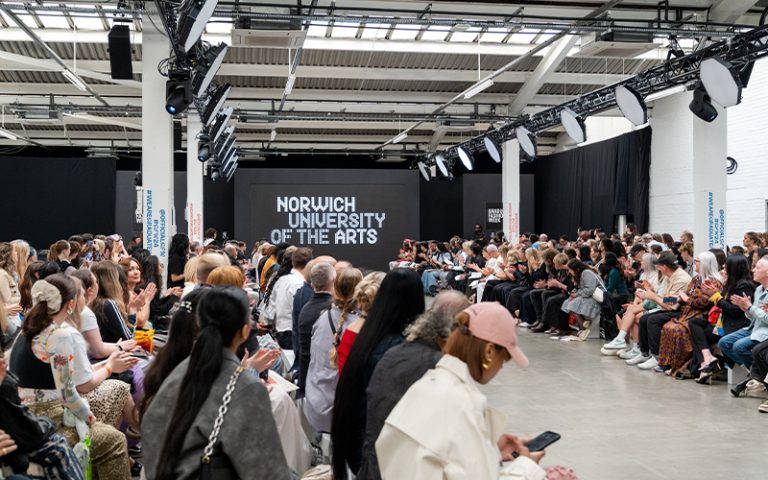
(285, 261)
(182, 333)
(399, 301)
(179, 245)
(222, 312)
(737, 270)
(610, 262)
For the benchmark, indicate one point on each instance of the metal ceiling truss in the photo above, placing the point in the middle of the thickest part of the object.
(739, 52)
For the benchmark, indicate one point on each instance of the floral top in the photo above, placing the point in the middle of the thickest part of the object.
(58, 345)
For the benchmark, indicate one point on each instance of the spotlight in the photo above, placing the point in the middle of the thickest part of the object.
(220, 123)
(442, 164)
(574, 125)
(215, 103)
(193, 16)
(208, 66)
(178, 92)
(225, 141)
(466, 157)
(527, 141)
(701, 105)
(731, 165)
(493, 148)
(721, 81)
(204, 148)
(215, 174)
(424, 170)
(631, 105)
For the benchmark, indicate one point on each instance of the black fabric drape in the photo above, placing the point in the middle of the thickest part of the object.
(589, 186)
(47, 199)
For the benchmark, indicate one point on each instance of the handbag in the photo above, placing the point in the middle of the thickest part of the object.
(209, 463)
(599, 294)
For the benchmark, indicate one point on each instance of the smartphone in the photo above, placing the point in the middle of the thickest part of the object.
(638, 284)
(138, 354)
(543, 441)
(670, 300)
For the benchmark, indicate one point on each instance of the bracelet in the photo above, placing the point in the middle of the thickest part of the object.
(109, 371)
(119, 347)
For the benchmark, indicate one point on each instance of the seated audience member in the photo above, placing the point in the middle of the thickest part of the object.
(133, 275)
(757, 386)
(421, 437)
(738, 345)
(399, 301)
(402, 366)
(10, 295)
(580, 303)
(322, 277)
(116, 319)
(49, 369)
(321, 376)
(676, 348)
(612, 273)
(190, 275)
(365, 293)
(178, 422)
(548, 303)
(440, 262)
(738, 282)
(675, 282)
(547, 270)
(59, 253)
(207, 263)
(686, 253)
(533, 272)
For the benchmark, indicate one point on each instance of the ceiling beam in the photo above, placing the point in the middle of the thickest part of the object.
(729, 11)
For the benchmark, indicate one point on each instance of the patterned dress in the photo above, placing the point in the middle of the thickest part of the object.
(676, 348)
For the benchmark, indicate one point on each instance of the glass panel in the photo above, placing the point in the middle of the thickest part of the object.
(375, 30)
(494, 35)
(317, 29)
(53, 20)
(405, 32)
(345, 29)
(466, 36)
(436, 33)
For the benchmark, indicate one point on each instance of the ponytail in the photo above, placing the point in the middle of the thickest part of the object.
(48, 298)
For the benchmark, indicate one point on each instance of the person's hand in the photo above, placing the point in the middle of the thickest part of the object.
(765, 307)
(535, 456)
(142, 298)
(7, 445)
(175, 291)
(684, 297)
(742, 301)
(13, 308)
(507, 445)
(119, 362)
(128, 345)
(642, 294)
(3, 368)
(262, 360)
(708, 289)
(539, 284)
(262, 329)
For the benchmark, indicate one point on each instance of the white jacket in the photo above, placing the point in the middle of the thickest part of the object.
(443, 429)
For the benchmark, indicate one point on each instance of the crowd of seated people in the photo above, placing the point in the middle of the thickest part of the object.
(660, 304)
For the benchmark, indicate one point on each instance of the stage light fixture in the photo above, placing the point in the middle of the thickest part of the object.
(442, 164)
(731, 165)
(215, 173)
(193, 17)
(220, 123)
(701, 105)
(466, 157)
(204, 148)
(424, 169)
(721, 81)
(493, 148)
(222, 146)
(215, 103)
(631, 104)
(574, 125)
(178, 92)
(527, 141)
(209, 64)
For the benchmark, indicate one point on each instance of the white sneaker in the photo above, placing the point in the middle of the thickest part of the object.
(615, 344)
(649, 364)
(630, 353)
(610, 352)
(637, 359)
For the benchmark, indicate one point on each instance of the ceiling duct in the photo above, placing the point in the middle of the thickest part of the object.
(252, 32)
(614, 44)
(453, 124)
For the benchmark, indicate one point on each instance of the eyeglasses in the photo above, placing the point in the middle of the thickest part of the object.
(696, 260)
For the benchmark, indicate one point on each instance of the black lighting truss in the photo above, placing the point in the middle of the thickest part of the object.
(740, 51)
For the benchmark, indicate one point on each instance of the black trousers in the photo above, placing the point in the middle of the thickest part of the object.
(703, 337)
(501, 292)
(285, 339)
(760, 362)
(490, 287)
(552, 315)
(527, 313)
(538, 297)
(650, 330)
(515, 298)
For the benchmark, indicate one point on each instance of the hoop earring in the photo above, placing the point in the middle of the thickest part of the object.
(69, 311)
(486, 363)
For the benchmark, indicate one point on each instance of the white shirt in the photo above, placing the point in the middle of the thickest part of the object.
(451, 439)
(88, 320)
(282, 299)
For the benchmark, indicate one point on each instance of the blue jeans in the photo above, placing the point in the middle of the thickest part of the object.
(738, 347)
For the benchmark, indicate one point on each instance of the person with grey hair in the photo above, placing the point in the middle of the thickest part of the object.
(321, 278)
(402, 366)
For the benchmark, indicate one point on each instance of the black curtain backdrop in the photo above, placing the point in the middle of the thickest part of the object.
(47, 199)
(589, 186)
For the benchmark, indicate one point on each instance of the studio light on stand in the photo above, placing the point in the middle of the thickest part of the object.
(209, 64)
(631, 105)
(701, 105)
(193, 17)
(493, 148)
(466, 157)
(721, 81)
(442, 165)
(527, 141)
(574, 125)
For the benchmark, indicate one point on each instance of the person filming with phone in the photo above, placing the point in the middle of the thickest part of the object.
(460, 436)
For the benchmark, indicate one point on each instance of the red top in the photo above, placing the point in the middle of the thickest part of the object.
(345, 346)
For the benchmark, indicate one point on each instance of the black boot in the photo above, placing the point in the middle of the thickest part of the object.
(737, 390)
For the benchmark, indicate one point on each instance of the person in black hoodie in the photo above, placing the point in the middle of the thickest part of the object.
(738, 283)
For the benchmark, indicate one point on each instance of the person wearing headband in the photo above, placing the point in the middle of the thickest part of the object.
(443, 427)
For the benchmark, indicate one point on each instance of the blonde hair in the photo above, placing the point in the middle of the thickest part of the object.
(343, 298)
(190, 270)
(207, 263)
(224, 276)
(22, 257)
(365, 291)
(560, 259)
(3, 320)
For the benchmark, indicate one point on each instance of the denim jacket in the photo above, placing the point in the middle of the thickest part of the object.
(758, 317)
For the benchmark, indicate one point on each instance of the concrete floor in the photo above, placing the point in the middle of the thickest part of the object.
(618, 422)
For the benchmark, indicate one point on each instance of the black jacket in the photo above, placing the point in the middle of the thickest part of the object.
(734, 317)
(307, 318)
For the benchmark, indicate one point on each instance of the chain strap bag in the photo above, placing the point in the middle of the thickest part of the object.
(211, 464)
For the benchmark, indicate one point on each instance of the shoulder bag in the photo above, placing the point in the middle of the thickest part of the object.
(599, 294)
(211, 465)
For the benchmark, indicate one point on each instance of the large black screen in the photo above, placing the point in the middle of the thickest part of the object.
(357, 215)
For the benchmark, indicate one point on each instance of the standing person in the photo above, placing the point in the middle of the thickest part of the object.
(399, 301)
(322, 277)
(178, 423)
(209, 237)
(177, 259)
(284, 290)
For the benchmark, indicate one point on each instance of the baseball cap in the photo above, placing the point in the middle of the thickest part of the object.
(667, 259)
(493, 323)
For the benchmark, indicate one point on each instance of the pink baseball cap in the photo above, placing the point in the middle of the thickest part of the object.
(493, 323)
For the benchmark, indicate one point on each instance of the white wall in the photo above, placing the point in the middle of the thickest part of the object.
(748, 144)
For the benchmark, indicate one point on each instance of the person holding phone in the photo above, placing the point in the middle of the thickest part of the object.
(460, 436)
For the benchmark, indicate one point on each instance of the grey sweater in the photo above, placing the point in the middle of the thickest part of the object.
(248, 436)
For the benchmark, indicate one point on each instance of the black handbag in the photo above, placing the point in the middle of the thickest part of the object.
(218, 466)
(27, 430)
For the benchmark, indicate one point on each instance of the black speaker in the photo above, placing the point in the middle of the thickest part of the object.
(120, 52)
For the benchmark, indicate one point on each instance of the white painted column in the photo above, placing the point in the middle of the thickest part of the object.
(710, 182)
(157, 150)
(195, 170)
(510, 189)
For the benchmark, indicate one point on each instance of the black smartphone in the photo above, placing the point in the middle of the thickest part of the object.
(543, 441)
(670, 300)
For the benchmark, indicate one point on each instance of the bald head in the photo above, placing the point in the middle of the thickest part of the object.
(342, 265)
